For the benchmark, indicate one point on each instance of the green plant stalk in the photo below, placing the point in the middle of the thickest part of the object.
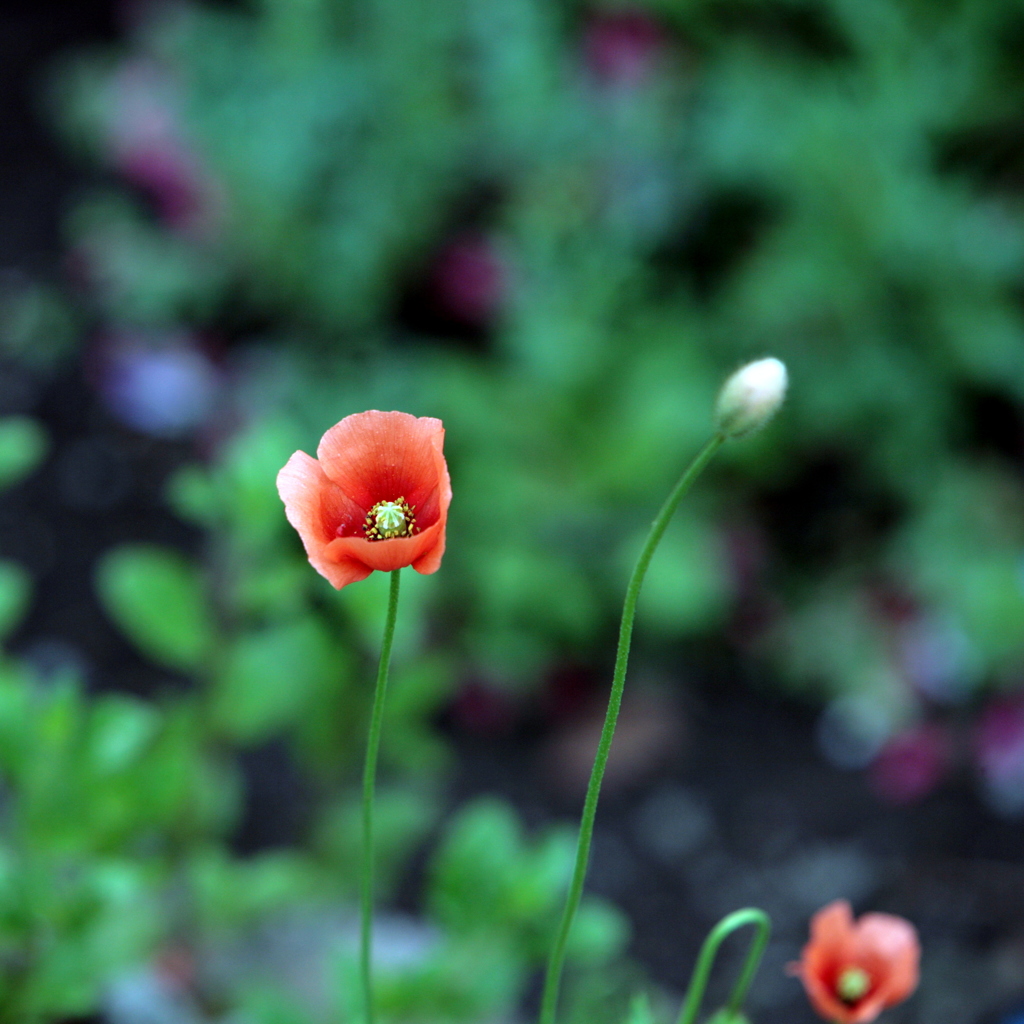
(369, 777)
(556, 961)
(695, 993)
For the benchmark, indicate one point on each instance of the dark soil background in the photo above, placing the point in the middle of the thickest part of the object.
(744, 811)
(718, 799)
(36, 176)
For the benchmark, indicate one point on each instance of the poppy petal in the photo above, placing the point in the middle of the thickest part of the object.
(892, 943)
(386, 555)
(831, 926)
(430, 561)
(380, 456)
(883, 946)
(313, 505)
(365, 459)
(824, 1000)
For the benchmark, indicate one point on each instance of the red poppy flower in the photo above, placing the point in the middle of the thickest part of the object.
(375, 497)
(852, 970)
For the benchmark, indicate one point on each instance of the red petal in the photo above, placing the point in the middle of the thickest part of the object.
(829, 949)
(369, 457)
(424, 548)
(831, 940)
(825, 1001)
(832, 926)
(380, 456)
(313, 505)
(884, 946)
(890, 951)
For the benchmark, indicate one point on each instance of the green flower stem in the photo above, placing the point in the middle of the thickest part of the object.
(556, 961)
(369, 776)
(695, 993)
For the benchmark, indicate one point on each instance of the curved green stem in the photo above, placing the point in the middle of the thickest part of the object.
(369, 776)
(556, 961)
(695, 993)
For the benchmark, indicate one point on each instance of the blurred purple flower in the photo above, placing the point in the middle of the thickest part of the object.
(148, 145)
(164, 387)
(484, 710)
(911, 764)
(999, 753)
(621, 47)
(937, 658)
(174, 182)
(469, 279)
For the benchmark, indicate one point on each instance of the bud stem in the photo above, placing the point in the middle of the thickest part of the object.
(556, 961)
(698, 982)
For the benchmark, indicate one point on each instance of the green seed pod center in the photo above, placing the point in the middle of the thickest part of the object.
(852, 984)
(388, 519)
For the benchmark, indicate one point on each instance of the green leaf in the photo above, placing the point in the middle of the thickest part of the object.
(640, 1011)
(598, 933)
(121, 729)
(403, 817)
(725, 1017)
(156, 597)
(23, 445)
(15, 589)
(264, 1004)
(474, 866)
(37, 325)
(488, 877)
(192, 495)
(269, 678)
(417, 692)
(230, 893)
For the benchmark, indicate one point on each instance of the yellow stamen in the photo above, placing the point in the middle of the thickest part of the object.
(388, 519)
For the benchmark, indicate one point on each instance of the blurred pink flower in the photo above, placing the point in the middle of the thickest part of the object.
(484, 710)
(911, 764)
(621, 47)
(172, 178)
(148, 145)
(999, 753)
(469, 279)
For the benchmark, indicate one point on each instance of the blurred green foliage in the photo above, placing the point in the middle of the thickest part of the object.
(101, 801)
(22, 448)
(112, 853)
(639, 199)
(496, 899)
(158, 598)
(821, 180)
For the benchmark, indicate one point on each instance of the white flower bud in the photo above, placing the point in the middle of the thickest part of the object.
(750, 397)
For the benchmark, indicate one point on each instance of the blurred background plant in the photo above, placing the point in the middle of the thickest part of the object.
(557, 227)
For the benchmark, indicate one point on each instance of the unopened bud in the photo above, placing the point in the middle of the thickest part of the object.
(750, 397)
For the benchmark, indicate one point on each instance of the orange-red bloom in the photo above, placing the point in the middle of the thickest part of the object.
(852, 970)
(375, 497)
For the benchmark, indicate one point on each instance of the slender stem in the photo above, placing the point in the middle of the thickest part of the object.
(556, 961)
(725, 927)
(369, 775)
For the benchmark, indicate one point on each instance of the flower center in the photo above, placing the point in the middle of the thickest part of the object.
(389, 519)
(853, 984)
